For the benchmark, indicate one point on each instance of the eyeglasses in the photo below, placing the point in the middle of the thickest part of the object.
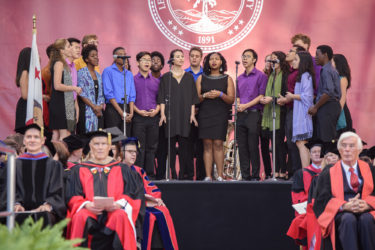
(246, 57)
(131, 151)
(145, 60)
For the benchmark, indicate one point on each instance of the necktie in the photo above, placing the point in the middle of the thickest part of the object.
(353, 179)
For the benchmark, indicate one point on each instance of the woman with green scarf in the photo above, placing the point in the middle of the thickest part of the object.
(273, 92)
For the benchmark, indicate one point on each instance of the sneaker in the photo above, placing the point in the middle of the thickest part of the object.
(207, 179)
(220, 178)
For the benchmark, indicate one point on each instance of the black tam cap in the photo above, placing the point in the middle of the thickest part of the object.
(23, 130)
(368, 152)
(314, 142)
(131, 139)
(73, 142)
(331, 148)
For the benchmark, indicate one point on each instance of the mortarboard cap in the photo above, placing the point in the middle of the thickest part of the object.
(23, 130)
(117, 134)
(73, 142)
(331, 148)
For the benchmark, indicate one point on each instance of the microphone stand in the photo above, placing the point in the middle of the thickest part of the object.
(235, 126)
(168, 103)
(125, 99)
(273, 123)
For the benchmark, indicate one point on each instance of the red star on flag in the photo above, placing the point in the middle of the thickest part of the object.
(37, 73)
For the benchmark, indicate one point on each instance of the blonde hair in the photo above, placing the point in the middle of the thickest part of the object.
(87, 38)
(347, 135)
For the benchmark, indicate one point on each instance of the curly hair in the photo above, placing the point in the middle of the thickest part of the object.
(206, 63)
(86, 51)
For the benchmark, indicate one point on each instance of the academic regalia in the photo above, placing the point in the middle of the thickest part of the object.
(39, 180)
(300, 190)
(331, 193)
(314, 234)
(158, 214)
(3, 186)
(118, 228)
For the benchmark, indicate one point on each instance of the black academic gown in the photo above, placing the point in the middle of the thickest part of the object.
(39, 180)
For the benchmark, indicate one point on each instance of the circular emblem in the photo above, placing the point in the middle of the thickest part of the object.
(212, 25)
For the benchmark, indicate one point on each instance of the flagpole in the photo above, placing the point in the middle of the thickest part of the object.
(34, 24)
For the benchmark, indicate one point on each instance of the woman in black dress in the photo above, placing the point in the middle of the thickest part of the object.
(61, 106)
(22, 79)
(216, 93)
(182, 103)
(340, 63)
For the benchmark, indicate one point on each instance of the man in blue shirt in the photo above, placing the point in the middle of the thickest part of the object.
(327, 106)
(195, 58)
(113, 87)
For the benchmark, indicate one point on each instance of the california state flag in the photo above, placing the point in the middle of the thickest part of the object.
(34, 113)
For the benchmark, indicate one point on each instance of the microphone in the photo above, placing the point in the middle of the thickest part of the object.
(237, 62)
(122, 57)
(274, 61)
(170, 61)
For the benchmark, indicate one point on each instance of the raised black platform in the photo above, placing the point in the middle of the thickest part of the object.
(230, 215)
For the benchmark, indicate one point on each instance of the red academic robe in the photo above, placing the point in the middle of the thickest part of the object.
(112, 180)
(300, 190)
(330, 197)
(158, 214)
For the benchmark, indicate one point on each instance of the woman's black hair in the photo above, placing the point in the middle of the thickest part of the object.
(171, 55)
(306, 65)
(86, 51)
(206, 63)
(342, 67)
(23, 63)
(284, 66)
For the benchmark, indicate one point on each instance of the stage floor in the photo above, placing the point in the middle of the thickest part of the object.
(230, 215)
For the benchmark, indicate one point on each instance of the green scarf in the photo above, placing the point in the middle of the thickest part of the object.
(267, 111)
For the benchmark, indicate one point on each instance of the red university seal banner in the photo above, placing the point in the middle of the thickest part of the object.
(213, 25)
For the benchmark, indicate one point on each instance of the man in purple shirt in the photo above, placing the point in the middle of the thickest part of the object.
(146, 119)
(251, 88)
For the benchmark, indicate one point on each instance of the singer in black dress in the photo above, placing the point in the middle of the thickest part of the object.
(182, 103)
(216, 92)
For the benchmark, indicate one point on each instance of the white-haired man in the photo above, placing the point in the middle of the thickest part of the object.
(345, 199)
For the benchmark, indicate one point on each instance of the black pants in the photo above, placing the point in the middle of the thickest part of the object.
(326, 120)
(294, 159)
(146, 129)
(355, 231)
(185, 158)
(279, 147)
(248, 130)
(113, 119)
(196, 151)
(161, 154)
